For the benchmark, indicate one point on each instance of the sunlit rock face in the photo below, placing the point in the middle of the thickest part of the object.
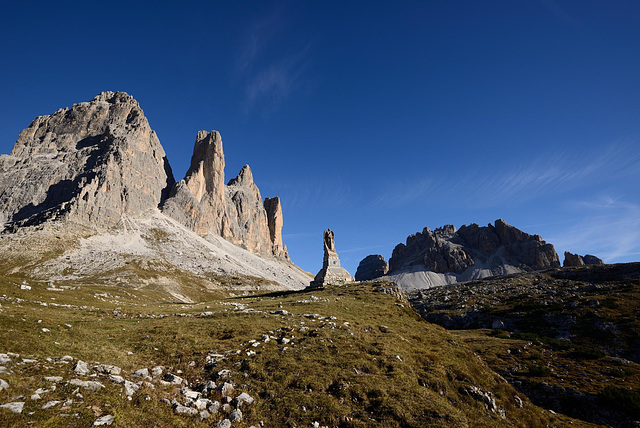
(93, 162)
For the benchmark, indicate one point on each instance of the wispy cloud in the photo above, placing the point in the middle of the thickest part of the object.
(306, 194)
(610, 230)
(276, 82)
(270, 66)
(547, 174)
(403, 192)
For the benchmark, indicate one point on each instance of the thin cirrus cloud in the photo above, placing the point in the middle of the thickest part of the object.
(610, 229)
(269, 77)
(550, 174)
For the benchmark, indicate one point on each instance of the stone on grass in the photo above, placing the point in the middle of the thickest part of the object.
(15, 407)
(214, 407)
(104, 420)
(225, 423)
(157, 370)
(81, 368)
(204, 414)
(201, 403)
(225, 389)
(4, 384)
(243, 398)
(173, 379)
(143, 373)
(50, 404)
(87, 384)
(184, 410)
(236, 415)
(107, 369)
(4, 359)
(53, 378)
(190, 394)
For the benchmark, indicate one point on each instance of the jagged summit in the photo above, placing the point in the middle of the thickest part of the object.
(204, 204)
(95, 162)
(447, 255)
(98, 168)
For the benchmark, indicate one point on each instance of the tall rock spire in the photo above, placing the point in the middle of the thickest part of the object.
(331, 272)
(203, 203)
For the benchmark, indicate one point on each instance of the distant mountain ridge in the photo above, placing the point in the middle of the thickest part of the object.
(446, 255)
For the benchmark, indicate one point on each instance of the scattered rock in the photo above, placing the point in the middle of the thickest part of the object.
(184, 410)
(214, 407)
(81, 368)
(50, 404)
(235, 415)
(225, 389)
(4, 384)
(141, 373)
(107, 369)
(87, 384)
(104, 420)
(15, 407)
(225, 423)
(173, 379)
(53, 378)
(243, 398)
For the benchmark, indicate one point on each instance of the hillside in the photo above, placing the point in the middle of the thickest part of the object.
(567, 338)
(347, 356)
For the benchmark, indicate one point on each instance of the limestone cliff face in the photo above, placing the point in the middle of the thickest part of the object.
(94, 162)
(99, 161)
(275, 221)
(490, 248)
(203, 203)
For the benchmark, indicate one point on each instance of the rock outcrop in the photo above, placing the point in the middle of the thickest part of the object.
(99, 162)
(95, 162)
(446, 250)
(204, 204)
(371, 267)
(572, 260)
(331, 272)
(447, 255)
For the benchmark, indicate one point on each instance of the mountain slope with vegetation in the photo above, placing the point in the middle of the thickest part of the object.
(347, 356)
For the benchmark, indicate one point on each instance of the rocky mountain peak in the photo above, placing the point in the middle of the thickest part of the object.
(93, 162)
(244, 178)
(451, 255)
(206, 172)
(204, 204)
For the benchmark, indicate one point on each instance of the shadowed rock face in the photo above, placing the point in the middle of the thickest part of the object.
(204, 204)
(446, 250)
(371, 267)
(94, 162)
(572, 260)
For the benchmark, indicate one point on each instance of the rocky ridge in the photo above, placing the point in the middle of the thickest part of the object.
(446, 255)
(98, 169)
(571, 260)
(94, 162)
(100, 160)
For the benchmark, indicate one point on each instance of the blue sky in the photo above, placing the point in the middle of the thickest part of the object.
(375, 119)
